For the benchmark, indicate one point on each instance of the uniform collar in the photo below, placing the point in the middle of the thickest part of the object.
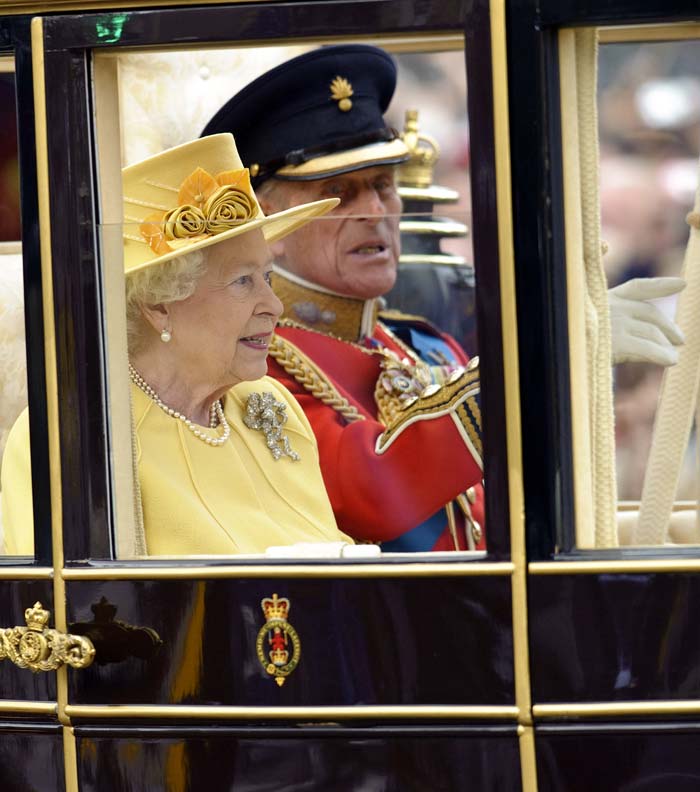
(325, 311)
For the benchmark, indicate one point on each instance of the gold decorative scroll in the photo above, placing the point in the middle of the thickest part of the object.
(40, 648)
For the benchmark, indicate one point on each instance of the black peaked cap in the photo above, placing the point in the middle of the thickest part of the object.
(288, 115)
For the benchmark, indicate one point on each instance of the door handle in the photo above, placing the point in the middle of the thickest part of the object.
(40, 648)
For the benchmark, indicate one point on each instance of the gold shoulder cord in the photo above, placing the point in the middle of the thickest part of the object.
(308, 375)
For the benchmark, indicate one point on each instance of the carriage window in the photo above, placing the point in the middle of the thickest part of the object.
(373, 359)
(648, 101)
(15, 513)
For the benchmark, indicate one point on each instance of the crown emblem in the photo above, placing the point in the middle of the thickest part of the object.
(341, 91)
(275, 608)
(37, 618)
(424, 152)
(276, 638)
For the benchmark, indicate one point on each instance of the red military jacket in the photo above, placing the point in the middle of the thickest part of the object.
(393, 449)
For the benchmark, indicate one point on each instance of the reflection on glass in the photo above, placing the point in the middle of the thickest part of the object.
(13, 376)
(392, 401)
(9, 166)
(649, 118)
(432, 282)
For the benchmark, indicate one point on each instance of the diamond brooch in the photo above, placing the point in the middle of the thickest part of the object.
(266, 414)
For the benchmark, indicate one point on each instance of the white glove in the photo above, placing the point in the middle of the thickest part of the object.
(641, 333)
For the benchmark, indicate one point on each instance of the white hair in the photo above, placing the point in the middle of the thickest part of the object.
(172, 281)
(277, 192)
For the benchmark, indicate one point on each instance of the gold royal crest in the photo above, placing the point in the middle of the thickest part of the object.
(275, 638)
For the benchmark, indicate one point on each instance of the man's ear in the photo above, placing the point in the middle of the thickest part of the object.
(157, 315)
(277, 249)
(270, 207)
(273, 198)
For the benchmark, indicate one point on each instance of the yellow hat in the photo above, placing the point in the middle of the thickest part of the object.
(193, 196)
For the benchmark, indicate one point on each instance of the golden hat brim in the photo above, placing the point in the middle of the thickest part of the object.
(384, 153)
(274, 227)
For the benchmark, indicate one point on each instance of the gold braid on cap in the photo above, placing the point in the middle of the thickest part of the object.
(207, 205)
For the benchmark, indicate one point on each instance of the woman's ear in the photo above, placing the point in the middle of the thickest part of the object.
(157, 315)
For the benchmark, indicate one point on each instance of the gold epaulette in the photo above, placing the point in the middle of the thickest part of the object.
(312, 378)
(394, 313)
(458, 398)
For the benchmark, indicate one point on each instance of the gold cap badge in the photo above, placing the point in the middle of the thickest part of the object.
(341, 91)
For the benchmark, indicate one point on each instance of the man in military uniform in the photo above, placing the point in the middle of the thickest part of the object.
(394, 403)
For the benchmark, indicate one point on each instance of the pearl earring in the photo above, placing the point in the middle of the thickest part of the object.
(165, 336)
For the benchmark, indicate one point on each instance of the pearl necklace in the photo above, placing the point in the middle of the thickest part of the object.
(216, 413)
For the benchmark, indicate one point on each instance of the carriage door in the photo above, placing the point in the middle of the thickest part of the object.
(399, 671)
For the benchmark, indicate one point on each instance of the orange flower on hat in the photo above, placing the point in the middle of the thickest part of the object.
(152, 231)
(196, 188)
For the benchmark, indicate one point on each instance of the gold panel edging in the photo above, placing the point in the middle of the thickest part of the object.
(675, 31)
(26, 573)
(501, 569)
(509, 340)
(70, 757)
(28, 707)
(293, 713)
(42, 170)
(528, 759)
(615, 709)
(621, 566)
(509, 330)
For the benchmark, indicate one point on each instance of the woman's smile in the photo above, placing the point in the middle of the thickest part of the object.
(260, 342)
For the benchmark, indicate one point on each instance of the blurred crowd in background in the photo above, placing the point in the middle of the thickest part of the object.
(649, 122)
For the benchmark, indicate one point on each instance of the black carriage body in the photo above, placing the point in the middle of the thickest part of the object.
(535, 666)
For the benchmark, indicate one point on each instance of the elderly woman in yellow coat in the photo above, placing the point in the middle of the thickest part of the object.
(227, 461)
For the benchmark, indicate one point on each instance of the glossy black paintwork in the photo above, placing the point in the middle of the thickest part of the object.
(614, 637)
(265, 21)
(368, 641)
(114, 640)
(77, 306)
(482, 175)
(540, 270)
(31, 758)
(15, 35)
(619, 758)
(218, 760)
(33, 307)
(19, 683)
(616, 12)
